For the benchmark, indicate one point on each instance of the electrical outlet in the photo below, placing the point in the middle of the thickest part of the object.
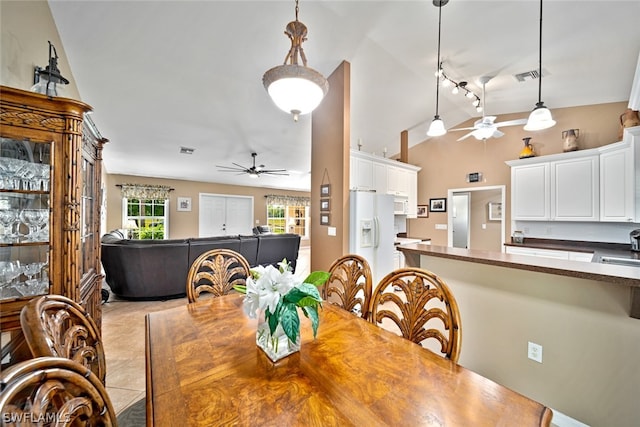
(534, 352)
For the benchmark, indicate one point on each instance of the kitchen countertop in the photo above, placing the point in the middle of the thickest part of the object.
(598, 249)
(617, 274)
(406, 240)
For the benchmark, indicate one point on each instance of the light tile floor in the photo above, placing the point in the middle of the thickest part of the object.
(124, 341)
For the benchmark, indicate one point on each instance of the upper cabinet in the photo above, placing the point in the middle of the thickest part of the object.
(597, 184)
(619, 167)
(385, 176)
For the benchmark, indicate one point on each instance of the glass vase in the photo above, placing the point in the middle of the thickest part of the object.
(278, 345)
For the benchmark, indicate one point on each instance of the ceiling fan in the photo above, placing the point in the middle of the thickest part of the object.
(253, 171)
(485, 127)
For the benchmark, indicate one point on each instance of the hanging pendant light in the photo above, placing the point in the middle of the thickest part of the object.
(294, 88)
(540, 118)
(46, 79)
(437, 125)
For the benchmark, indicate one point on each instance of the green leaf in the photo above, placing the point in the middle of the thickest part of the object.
(305, 292)
(240, 288)
(310, 290)
(290, 321)
(317, 278)
(312, 313)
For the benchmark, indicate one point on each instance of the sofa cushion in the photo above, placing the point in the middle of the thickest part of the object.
(249, 249)
(273, 248)
(200, 245)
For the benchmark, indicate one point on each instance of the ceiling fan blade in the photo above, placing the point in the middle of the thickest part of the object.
(240, 166)
(497, 134)
(465, 137)
(511, 122)
(462, 129)
(230, 168)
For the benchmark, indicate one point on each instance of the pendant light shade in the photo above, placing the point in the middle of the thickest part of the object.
(295, 89)
(437, 125)
(540, 118)
(436, 128)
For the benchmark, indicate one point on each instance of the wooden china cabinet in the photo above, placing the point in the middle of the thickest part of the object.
(50, 187)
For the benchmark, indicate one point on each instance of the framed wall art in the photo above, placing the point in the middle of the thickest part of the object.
(184, 204)
(324, 219)
(437, 205)
(495, 211)
(325, 190)
(423, 211)
(325, 205)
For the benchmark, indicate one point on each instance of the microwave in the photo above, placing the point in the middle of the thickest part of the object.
(400, 206)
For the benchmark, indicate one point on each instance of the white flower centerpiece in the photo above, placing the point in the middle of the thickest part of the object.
(275, 294)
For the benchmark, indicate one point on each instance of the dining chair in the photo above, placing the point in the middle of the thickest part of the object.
(350, 284)
(216, 271)
(54, 391)
(421, 306)
(54, 325)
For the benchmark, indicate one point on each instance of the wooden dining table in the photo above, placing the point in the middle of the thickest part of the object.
(203, 368)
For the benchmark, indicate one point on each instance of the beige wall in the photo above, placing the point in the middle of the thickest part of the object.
(589, 367)
(26, 27)
(330, 131)
(185, 224)
(445, 162)
(488, 238)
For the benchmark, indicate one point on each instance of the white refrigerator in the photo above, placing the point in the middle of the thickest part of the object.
(371, 231)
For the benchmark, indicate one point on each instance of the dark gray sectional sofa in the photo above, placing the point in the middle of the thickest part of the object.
(157, 269)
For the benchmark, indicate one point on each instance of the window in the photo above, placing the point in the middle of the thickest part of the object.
(146, 218)
(288, 219)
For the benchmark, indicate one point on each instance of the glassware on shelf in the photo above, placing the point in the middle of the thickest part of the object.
(7, 219)
(9, 272)
(33, 219)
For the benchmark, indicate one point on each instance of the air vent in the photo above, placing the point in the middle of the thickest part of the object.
(527, 75)
(186, 150)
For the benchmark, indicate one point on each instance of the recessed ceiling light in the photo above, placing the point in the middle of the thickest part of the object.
(187, 150)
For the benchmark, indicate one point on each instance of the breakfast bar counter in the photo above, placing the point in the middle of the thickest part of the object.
(578, 312)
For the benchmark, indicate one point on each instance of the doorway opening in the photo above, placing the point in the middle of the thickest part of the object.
(476, 219)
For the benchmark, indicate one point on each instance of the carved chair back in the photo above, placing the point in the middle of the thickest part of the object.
(54, 325)
(350, 284)
(419, 305)
(54, 391)
(216, 271)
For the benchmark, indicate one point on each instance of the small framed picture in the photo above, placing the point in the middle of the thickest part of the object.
(325, 190)
(325, 205)
(495, 211)
(324, 219)
(423, 211)
(184, 204)
(438, 205)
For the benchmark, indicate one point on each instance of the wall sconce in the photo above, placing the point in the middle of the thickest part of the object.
(46, 80)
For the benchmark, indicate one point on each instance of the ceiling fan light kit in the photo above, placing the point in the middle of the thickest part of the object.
(295, 89)
(540, 118)
(437, 125)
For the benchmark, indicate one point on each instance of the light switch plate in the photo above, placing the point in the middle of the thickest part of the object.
(331, 231)
(441, 226)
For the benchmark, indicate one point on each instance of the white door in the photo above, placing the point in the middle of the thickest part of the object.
(460, 214)
(225, 215)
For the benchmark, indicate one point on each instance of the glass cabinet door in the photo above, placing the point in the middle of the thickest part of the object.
(25, 171)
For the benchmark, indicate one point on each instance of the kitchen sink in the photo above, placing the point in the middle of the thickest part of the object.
(620, 261)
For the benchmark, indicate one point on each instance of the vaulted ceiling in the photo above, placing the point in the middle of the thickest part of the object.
(168, 74)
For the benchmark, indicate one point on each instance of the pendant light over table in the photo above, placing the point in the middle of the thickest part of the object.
(294, 88)
(437, 125)
(540, 118)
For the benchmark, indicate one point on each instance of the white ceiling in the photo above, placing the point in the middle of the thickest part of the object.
(166, 74)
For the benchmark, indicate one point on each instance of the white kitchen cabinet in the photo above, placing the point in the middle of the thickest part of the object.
(575, 189)
(617, 183)
(361, 174)
(380, 177)
(397, 181)
(385, 176)
(530, 192)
